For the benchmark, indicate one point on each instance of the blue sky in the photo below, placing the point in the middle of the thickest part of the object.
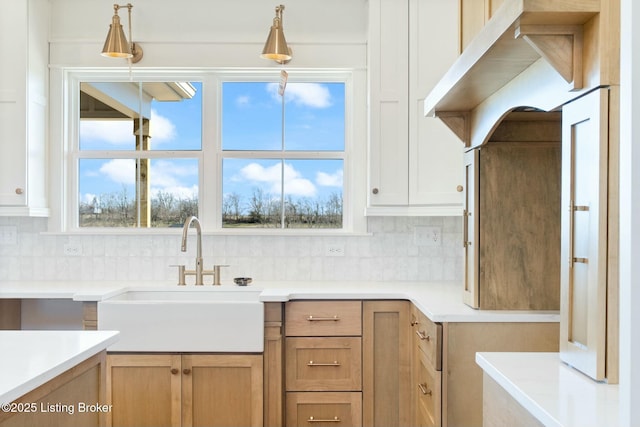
(252, 120)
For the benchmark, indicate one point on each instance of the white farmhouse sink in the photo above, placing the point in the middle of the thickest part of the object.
(185, 319)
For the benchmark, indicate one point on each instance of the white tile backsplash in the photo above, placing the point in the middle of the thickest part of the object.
(390, 252)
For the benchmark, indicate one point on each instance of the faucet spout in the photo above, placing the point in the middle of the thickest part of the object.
(185, 230)
(183, 247)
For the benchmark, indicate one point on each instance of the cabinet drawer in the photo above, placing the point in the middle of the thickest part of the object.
(324, 364)
(324, 409)
(323, 318)
(428, 338)
(428, 393)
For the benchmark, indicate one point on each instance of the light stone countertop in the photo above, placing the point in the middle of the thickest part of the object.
(553, 392)
(439, 301)
(28, 359)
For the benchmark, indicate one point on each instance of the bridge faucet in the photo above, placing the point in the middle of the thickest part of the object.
(183, 247)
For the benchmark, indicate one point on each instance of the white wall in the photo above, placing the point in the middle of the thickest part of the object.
(195, 33)
(629, 215)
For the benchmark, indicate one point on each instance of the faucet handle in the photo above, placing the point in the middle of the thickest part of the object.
(181, 274)
(216, 273)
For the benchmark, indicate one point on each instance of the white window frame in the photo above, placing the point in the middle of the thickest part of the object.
(210, 198)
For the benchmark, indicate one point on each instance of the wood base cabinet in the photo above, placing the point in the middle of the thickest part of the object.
(502, 410)
(185, 390)
(66, 400)
(446, 382)
(348, 363)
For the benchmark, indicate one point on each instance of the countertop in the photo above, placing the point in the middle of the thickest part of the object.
(439, 301)
(28, 359)
(554, 393)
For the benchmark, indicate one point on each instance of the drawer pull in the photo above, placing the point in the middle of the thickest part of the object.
(323, 319)
(423, 336)
(320, 420)
(423, 388)
(312, 363)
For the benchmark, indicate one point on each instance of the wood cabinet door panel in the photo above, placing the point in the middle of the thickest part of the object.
(386, 364)
(144, 390)
(222, 390)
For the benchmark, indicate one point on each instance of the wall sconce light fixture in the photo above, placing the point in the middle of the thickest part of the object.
(116, 45)
(276, 47)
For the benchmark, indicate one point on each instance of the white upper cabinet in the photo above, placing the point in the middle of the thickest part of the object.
(415, 162)
(23, 108)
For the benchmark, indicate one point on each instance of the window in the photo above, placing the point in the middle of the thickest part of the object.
(233, 149)
(283, 154)
(139, 151)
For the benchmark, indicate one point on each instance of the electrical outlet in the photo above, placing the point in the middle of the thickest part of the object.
(73, 249)
(428, 236)
(334, 249)
(8, 235)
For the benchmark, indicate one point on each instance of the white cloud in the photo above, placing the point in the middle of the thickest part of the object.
(120, 132)
(122, 171)
(312, 95)
(162, 128)
(166, 177)
(177, 191)
(329, 180)
(294, 183)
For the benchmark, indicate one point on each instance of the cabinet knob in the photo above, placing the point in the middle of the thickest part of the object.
(375, 191)
(19, 190)
(459, 188)
(186, 371)
(174, 371)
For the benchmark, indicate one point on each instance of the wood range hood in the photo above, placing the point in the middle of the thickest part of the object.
(530, 53)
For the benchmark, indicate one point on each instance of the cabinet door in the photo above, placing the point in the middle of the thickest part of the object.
(222, 390)
(144, 390)
(389, 90)
(435, 153)
(23, 108)
(471, 222)
(386, 363)
(13, 44)
(584, 233)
